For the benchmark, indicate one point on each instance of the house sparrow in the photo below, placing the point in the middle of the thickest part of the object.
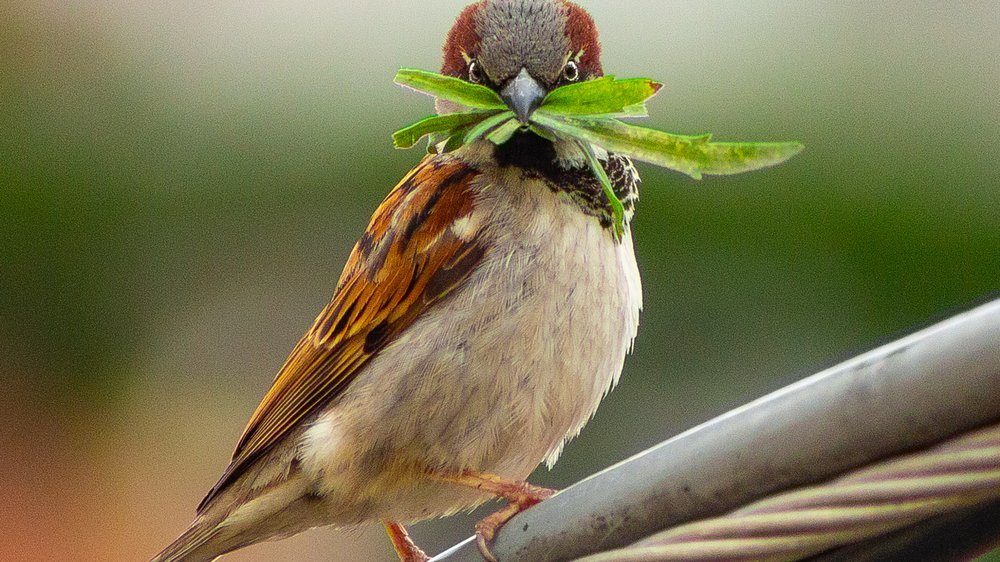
(480, 320)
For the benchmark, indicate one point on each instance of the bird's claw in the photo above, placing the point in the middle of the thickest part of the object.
(524, 498)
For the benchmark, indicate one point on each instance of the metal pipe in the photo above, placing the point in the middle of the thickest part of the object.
(912, 393)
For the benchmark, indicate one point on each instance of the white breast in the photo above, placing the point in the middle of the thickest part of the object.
(574, 300)
(497, 377)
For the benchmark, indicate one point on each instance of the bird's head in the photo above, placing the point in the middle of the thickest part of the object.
(523, 49)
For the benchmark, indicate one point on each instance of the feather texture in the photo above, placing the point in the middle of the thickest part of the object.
(409, 258)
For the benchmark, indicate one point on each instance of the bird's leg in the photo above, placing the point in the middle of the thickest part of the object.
(514, 491)
(520, 496)
(401, 541)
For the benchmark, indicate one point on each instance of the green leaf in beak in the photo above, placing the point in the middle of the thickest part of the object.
(503, 133)
(691, 155)
(449, 88)
(409, 136)
(487, 125)
(603, 97)
(617, 209)
(585, 113)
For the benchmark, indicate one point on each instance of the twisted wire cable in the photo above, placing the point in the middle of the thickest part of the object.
(867, 503)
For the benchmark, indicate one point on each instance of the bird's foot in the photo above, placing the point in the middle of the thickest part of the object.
(407, 550)
(486, 530)
(520, 496)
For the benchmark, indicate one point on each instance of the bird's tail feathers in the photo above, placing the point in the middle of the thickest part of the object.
(194, 545)
(279, 511)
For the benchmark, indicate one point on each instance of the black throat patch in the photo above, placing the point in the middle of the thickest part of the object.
(536, 157)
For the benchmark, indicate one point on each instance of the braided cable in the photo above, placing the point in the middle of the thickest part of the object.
(867, 503)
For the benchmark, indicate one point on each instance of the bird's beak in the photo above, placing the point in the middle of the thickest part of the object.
(523, 94)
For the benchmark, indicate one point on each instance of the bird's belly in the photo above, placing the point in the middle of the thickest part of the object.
(495, 379)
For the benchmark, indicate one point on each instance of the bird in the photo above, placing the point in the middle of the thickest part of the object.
(480, 320)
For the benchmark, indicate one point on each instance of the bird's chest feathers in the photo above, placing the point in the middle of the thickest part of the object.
(554, 307)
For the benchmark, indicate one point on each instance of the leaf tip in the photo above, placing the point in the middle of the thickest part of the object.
(791, 149)
(402, 75)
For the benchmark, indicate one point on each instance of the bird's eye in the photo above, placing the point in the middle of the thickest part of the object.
(475, 73)
(571, 72)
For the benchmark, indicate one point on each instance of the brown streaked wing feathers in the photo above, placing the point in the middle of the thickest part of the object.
(408, 259)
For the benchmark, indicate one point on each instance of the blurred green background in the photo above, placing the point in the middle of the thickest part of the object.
(181, 182)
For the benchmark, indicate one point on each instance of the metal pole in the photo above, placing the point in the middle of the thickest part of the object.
(909, 394)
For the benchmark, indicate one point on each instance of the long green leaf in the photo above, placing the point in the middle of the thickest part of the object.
(486, 125)
(542, 132)
(583, 112)
(691, 155)
(456, 140)
(448, 88)
(409, 136)
(503, 133)
(618, 210)
(605, 97)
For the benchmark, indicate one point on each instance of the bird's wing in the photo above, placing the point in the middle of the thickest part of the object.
(418, 247)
